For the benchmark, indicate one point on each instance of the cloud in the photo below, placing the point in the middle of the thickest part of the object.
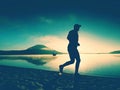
(93, 44)
(46, 20)
(88, 43)
(53, 42)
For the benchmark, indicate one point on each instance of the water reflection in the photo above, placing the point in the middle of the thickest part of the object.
(91, 64)
(37, 60)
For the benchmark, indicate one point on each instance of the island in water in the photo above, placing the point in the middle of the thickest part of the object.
(37, 49)
(115, 52)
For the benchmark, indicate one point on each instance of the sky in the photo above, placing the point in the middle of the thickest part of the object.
(25, 23)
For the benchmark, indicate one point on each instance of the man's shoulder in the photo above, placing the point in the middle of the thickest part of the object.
(71, 31)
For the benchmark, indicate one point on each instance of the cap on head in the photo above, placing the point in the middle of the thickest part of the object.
(77, 25)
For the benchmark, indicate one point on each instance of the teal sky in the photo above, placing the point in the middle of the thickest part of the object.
(23, 20)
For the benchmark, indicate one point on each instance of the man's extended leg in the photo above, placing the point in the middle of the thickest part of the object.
(72, 59)
(65, 64)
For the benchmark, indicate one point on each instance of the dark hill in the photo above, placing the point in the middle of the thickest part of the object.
(37, 49)
(115, 52)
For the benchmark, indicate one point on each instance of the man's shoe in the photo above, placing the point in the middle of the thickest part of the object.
(60, 69)
(77, 74)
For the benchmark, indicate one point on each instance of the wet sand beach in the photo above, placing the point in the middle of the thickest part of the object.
(14, 78)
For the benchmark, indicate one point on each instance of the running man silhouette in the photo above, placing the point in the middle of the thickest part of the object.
(72, 49)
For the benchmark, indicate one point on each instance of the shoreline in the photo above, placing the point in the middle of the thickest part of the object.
(16, 78)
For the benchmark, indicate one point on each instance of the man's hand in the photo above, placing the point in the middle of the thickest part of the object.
(78, 44)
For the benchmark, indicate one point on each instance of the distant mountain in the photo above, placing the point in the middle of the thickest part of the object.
(115, 52)
(37, 49)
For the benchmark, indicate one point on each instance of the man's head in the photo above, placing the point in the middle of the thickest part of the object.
(76, 27)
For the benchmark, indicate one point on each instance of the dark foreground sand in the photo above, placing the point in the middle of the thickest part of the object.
(13, 78)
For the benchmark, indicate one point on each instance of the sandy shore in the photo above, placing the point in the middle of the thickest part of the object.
(14, 78)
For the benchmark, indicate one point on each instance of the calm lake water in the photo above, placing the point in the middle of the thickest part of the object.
(107, 65)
